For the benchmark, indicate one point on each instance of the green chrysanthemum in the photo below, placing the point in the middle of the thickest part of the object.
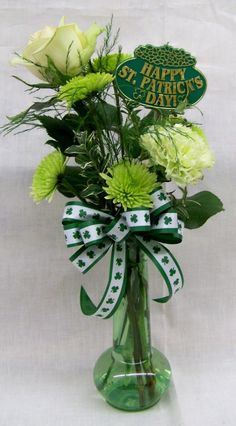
(109, 63)
(82, 86)
(130, 185)
(46, 176)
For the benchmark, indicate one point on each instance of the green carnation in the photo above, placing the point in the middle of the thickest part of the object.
(82, 86)
(130, 185)
(46, 176)
(109, 63)
(183, 151)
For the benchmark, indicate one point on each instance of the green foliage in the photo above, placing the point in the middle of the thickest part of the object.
(197, 209)
(59, 131)
(29, 117)
(91, 161)
(102, 130)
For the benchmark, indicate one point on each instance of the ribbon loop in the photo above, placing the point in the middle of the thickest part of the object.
(138, 220)
(96, 231)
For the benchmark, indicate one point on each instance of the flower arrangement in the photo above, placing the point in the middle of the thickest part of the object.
(111, 158)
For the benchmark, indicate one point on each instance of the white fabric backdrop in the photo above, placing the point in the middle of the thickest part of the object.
(48, 348)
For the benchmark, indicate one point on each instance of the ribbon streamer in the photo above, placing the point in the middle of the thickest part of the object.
(96, 232)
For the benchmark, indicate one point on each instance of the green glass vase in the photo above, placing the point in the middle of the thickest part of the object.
(132, 375)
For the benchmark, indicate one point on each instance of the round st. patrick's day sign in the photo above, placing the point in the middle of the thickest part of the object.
(161, 77)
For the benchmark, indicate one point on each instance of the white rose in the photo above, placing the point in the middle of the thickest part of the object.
(67, 46)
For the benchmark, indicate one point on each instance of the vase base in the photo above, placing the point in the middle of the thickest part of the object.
(129, 386)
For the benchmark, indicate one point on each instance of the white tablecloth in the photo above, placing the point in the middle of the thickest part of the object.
(47, 347)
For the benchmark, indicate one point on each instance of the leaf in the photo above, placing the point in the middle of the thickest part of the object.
(58, 130)
(73, 150)
(107, 115)
(200, 207)
(38, 85)
(91, 190)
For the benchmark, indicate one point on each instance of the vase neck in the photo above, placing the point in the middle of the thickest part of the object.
(131, 322)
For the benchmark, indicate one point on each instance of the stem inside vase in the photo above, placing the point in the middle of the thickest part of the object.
(132, 375)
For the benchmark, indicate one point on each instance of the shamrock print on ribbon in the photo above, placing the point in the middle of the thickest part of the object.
(122, 227)
(162, 196)
(69, 211)
(110, 301)
(167, 220)
(82, 213)
(91, 254)
(76, 234)
(118, 276)
(113, 236)
(101, 245)
(98, 230)
(134, 218)
(96, 216)
(86, 235)
(114, 289)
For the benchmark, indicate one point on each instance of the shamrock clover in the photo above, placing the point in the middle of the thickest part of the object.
(118, 276)
(165, 260)
(139, 94)
(76, 234)
(105, 309)
(101, 245)
(122, 227)
(162, 196)
(82, 213)
(119, 261)
(81, 263)
(119, 247)
(167, 220)
(90, 254)
(110, 301)
(176, 282)
(156, 249)
(134, 218)
(113, 236)
(179, 226)
(96, 216)
(114, 289)
(98, 230)
(69, 211)
(86, 235)
(146, 217)
(172, 271)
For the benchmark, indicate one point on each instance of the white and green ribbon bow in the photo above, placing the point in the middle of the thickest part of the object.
(96, 232)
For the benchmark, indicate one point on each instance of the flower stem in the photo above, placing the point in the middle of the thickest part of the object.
(119, 118)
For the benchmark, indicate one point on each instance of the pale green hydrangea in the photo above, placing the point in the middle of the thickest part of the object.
(80, 87)
(182, 150)
(130, 184)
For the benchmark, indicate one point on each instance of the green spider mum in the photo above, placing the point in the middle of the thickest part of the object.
(46, 176)
(130, 185)
(80, 87)
(109, 63)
